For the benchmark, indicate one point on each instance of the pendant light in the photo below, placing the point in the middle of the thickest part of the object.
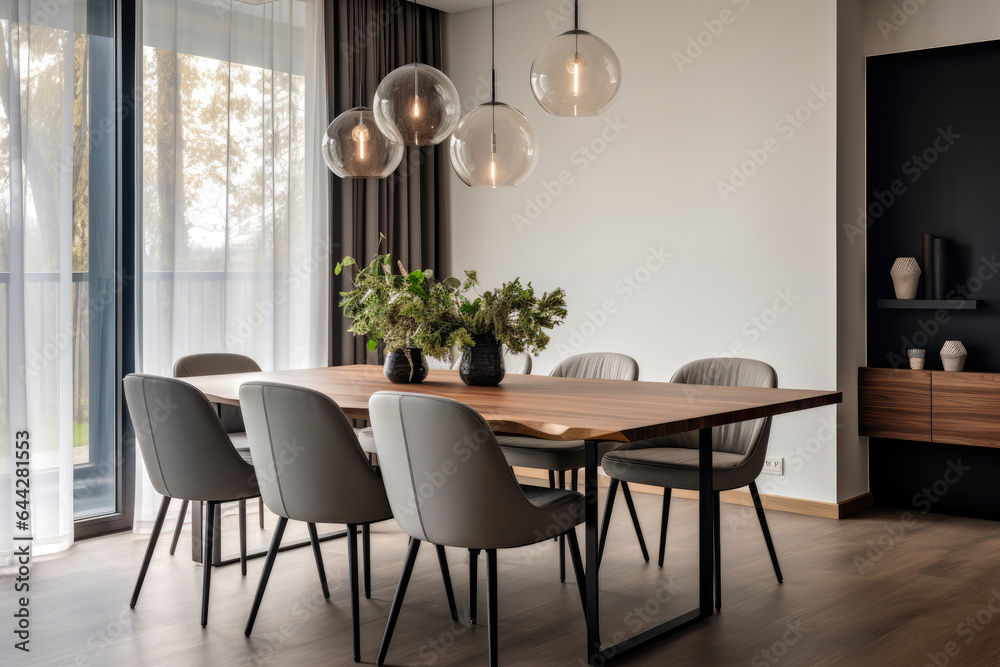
(416, 104)
(354, 147)
(494, 144)
(576, 74)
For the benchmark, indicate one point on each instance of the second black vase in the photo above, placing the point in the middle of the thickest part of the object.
(398, 368)
(482, 365)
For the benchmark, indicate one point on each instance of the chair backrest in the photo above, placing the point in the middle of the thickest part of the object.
(218, 363)
(447, 480)
(748, 438)
(309, 464)
(517, 363)
(186, 450)
(598, 366)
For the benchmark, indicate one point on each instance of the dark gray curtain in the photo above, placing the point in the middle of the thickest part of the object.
(367, 39)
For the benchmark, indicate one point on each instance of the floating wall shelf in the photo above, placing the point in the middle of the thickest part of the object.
(929, 304)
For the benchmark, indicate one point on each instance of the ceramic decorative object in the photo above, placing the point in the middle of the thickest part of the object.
(397, 367)
(482, 364)
(905, 277)
(953, 356)
(916, 358)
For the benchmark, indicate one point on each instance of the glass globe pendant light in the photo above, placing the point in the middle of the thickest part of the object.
(576, 74)
(354, 147)
(494, 144)
(416, 104)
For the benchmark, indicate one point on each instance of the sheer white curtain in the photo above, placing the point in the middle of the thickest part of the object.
(235, 223)
(43, 223)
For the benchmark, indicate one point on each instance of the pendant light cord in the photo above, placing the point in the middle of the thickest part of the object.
(493, 33)
(576, 15)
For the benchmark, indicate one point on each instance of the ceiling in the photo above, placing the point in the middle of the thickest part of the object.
(452, 6)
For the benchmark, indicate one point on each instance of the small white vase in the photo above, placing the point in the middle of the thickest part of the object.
(905, 277)
(953, 356)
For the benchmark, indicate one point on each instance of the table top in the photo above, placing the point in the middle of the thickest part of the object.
(548, 407)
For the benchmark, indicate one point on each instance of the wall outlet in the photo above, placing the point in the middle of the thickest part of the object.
(774, 466)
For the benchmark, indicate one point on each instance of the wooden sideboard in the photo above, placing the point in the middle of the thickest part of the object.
(930, 406)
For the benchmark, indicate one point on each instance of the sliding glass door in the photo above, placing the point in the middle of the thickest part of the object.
(60, 284)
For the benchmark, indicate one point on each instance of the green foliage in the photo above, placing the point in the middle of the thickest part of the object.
(416, 310)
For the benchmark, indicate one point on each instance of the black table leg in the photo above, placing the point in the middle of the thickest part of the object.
(591, 552)
(706, 521)
(706, 561)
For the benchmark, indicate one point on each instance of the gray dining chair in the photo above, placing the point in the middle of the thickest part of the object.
(311, 468)
(478, 503)
(188, 455)
(738, 453)
(220, 363)
(562, 456)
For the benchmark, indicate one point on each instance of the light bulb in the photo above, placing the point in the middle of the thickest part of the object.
(575, 65)
(416, 94)
(493, 159)
(360, 134)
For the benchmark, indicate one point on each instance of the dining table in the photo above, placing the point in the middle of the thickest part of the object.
(557, 408)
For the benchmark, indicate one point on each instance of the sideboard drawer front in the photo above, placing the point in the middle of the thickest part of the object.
(894, 404)
(966, 408)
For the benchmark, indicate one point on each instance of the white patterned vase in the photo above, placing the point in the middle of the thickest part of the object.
(953, 356)
(905, 277)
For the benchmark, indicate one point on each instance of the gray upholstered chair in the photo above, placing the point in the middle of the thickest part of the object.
(449, 484)
(310, 468)
(559, 457)
(220, 363)
(738, 454)
(188, 455)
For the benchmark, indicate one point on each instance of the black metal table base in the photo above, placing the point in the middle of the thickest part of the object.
(197, 516)
(596, 655)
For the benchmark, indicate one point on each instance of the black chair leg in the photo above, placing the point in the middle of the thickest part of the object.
(552, 485)
(352, 566)
(397, 600)
(446, 576)
(473, 585)
(575, 476)
(767, 533)
(635, 520)
(366, 555)
(260, 512)
(272, 554)
(718, 550)
(492, 605)
(318, 555)
(608, 507)
(206, 559)
(574, 555)
(243, 537)
(663, 523)
(157, 526)
(180, 525)
(562, 538)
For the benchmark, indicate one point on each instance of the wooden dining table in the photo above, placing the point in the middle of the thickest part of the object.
(556, 408)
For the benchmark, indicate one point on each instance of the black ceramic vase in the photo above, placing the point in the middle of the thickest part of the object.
(482, 365)
(397, 367)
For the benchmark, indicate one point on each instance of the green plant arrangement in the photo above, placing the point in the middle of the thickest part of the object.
(415, 310)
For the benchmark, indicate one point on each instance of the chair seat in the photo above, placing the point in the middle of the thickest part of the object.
(676, 468)
(366, 436)
(546, 499)
(528, 452)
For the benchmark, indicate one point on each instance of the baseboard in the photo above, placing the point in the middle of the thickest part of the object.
(742, 497)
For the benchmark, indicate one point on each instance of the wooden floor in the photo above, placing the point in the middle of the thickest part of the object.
(881, 588)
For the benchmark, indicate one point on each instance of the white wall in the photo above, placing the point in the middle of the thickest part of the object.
(892, 26)
(658, 156)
